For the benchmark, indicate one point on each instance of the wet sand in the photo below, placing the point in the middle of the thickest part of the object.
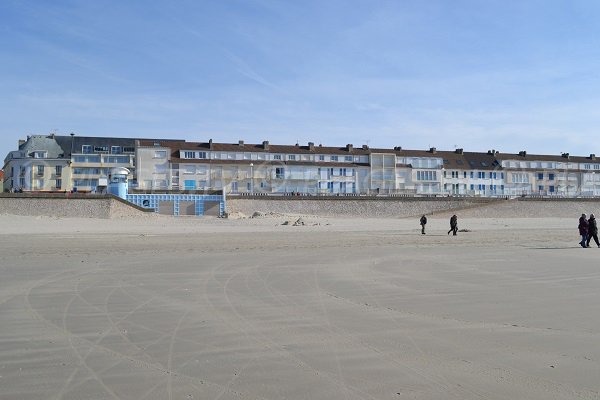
(336, 309)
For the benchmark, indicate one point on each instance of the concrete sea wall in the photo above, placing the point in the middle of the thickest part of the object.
(354, 207)
(64, 206)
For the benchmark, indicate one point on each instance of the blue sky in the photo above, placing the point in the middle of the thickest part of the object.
(508, 75)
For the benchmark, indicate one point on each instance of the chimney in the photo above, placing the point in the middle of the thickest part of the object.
(460, 151)
(398, 148)
(241, 143)
(565, 155)
(592, 156)
(266, 145)
(522, 153)
(21, 142)
(432, 150)
(350, 148)
(210, 144)
(365, 147)
(311, 146)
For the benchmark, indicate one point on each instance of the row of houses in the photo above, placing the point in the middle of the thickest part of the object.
(67, 163)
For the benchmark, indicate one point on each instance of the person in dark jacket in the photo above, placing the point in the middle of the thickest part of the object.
(583, 230)
(423, 222)
(592, 231)
(453, 225)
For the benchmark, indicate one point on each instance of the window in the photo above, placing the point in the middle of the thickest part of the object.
(58, 170)
(40, 154)
(115, 149)
(464, 174)
(444, 174)
(321, 158)
(540, 177)
(189, 154)
(587, 166)
(128, 149)
(596, 166)
(279, 173)
(87, 159)
(472, 174)
(86, 149)
(426, 175)
(481, 175)
(40, 170)
(59, 184)
(101, 149)
(541, 188)
(484, 164)
(472, 186)
(348, 158)
(551, 178)
(189, 184)
(446, 162)
(342, 171)
(40, 183)
(276, 156)
(189, 169)
(292, 157)
(334, 158)
(116, 159)
(551, 189)
(160, 154)
(501, 175)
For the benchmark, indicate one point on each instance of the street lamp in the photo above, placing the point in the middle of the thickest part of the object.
(251, 178)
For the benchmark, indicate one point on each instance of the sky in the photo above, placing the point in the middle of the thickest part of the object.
(479, 75)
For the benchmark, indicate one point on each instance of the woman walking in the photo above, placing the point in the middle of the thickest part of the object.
(583, 230)
(592, 231)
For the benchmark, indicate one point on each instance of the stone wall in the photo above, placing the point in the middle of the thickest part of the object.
(353, 207)
(65, 207)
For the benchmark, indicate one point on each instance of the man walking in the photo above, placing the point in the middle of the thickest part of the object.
(592, 231)
(583, 230)
(423, 222)
(453, 225)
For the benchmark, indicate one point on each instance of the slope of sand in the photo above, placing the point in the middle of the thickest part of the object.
(188, 308)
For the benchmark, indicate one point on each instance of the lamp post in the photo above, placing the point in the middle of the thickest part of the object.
(251, 178)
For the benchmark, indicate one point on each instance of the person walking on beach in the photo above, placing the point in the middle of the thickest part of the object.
(453, 225)
(423, 222)
(592, 231)
(583, 230)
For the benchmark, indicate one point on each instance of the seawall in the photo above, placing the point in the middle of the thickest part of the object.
(380, 207)
(68, 206)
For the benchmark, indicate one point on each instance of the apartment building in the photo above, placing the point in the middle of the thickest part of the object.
(64, 163)
(251, 168)
(39, 164)
(548, 175)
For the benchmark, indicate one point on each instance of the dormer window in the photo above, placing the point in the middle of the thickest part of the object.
(40, 154)
(101, 149)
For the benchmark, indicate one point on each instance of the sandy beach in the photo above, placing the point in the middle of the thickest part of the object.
(337, 308)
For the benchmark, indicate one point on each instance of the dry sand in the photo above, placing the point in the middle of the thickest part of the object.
(189, 308)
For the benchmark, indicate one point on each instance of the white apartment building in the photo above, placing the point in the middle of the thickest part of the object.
(64, 163)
